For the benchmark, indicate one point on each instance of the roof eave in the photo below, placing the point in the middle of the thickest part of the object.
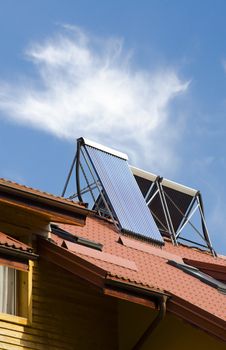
(71, 262)
(133, 292)
(14, 252)
(53, 209)
(204, 320)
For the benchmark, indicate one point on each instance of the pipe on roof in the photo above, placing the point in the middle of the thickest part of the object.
(77, 170)
(154, 324)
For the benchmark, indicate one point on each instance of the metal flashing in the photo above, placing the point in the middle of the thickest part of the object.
(147, 248)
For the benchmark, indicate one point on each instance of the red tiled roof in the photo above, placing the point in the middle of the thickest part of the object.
(50, 207)
(106, 257)
(28, 190)
(10, 242)
(153, 270)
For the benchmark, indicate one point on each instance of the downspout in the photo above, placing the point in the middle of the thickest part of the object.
(154, 324)
(160, 298)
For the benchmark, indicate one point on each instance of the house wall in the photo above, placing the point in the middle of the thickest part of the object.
(171, 334)
(66, 314)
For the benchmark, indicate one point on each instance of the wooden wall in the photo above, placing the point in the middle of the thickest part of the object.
(67, 314)
(171, 334)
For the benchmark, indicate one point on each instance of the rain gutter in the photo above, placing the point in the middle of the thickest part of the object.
(154, 324)
(160, 299)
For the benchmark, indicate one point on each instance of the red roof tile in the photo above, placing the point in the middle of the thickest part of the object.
(4, 183)
(93, 253)
(13, 243)
(153, 271)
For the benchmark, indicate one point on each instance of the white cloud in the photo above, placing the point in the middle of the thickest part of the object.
(89, 87)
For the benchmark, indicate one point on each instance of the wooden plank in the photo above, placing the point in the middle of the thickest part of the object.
(23, 344)
(14, 264)
(9, 346)
(31, 338)
(36, 331)
(130, 297)
(30, 333)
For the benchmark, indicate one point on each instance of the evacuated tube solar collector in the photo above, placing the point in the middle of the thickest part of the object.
(139, 203)
(118, 190)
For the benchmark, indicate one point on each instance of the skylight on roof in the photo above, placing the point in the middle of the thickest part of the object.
(193, 271)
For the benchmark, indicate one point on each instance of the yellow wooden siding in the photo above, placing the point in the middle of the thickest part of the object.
(66, 314)
(171, 334)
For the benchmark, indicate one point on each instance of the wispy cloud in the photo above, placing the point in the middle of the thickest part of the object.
(89, 87)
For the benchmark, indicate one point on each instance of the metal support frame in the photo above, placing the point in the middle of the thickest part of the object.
(99, 187)
(90, 187)
(172, 231)
(103, 208)
(196, 204)
(166, 210)
(69, 176)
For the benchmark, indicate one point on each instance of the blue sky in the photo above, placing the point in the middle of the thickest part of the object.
(147, 78)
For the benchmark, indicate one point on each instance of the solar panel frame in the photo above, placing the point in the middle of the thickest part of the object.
(126, 199)
(180, 195)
